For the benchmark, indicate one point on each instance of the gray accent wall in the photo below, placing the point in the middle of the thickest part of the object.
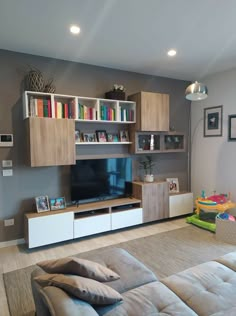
(17, 192)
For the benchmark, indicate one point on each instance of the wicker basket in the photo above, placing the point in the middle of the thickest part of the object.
(226, 230)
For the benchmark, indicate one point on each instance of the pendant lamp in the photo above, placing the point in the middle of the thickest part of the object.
(196, 92)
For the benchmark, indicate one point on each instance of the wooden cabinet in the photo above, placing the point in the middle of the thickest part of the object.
(155, 199)
(152, 111)
(50, 141)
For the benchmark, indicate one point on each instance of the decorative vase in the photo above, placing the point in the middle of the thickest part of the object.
(34, 81)
(148, 178)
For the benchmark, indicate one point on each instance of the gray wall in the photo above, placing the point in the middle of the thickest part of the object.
(17, 193)
(213, 158)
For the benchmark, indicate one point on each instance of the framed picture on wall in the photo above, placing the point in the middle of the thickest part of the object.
(173, 185)
(232, 128)
(42, 204)
(213, 121)
(57, 203)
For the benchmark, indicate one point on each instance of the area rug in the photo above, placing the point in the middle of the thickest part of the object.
(164, 253)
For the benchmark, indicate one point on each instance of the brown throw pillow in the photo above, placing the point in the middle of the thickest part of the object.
(78, 266)
(85, 289)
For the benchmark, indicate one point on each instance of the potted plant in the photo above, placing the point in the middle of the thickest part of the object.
(147, 165)
(117, 92)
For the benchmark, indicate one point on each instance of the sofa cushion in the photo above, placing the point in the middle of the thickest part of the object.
(60, 303)
(208, 288)
(228, 260)
(150, 299)
(86, 289)
(79, 266)
(132, 272)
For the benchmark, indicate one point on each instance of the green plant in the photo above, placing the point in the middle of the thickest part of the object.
(147, 165)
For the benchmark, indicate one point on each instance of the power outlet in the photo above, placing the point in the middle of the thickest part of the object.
(9, 222)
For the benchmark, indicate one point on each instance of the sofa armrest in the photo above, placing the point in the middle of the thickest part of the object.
(59, 303)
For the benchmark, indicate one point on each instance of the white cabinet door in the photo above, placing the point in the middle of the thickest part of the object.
(126, 218)
(92, 225)
(45, 230)
(180, 204)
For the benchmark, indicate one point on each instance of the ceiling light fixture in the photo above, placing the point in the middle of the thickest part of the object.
(196, 92)
(171, 52)
(75, 29)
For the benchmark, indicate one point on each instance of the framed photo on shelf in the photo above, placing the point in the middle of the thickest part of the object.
(42, 204)
(112, 137)
(89, 137)
(232, 128)
(101, 136)
(77, 136)
(173, 185)
(57, 203)
(124, 136)
(213, 121)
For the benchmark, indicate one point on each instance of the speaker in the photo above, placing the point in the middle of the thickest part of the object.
(128, 189)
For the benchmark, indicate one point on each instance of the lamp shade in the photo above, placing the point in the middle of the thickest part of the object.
(196, 92)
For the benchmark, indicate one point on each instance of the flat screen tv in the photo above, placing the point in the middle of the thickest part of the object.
(100, 179)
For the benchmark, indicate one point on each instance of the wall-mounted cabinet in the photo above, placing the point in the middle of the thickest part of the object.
(155, 142)
(48, 116)
(152, 111)
(50, 142)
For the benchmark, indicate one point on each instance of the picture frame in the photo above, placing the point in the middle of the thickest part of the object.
(101, 136)
(213, 121)
(232, 127)
(173, 185)
(42, 203)
(58, 203)
(124, 136)
(77, 136)
(89, 137)
(112, 137)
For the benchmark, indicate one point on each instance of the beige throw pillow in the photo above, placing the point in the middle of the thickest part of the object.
(85, 289)
(78, 266)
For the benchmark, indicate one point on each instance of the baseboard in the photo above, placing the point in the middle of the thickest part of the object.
(12, 243)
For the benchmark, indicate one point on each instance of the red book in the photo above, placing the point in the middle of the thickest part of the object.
(66, 111)
(40, 107)
(49, 109)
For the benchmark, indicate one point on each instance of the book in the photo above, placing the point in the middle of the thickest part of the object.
(40, 107)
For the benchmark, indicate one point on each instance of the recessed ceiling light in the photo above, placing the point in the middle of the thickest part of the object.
(171, 52)
(75, 29)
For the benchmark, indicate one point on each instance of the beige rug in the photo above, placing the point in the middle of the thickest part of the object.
(165, 253)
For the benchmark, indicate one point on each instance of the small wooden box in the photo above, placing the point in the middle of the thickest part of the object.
(115, 95)
(226, 230)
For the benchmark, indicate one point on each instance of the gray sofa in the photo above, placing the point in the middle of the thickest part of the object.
(206, 289)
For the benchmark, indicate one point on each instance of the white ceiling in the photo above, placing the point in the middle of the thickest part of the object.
(129, 35)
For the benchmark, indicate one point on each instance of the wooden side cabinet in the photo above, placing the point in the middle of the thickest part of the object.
(155, 199)
(51, 142)
(152, 111)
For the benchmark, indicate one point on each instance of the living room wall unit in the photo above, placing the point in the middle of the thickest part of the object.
(17, 192)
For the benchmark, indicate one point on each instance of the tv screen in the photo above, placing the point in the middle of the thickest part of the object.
(100, 179)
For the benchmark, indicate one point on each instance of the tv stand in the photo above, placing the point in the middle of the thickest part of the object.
(81, 220)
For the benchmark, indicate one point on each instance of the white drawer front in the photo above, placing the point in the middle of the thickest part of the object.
(181, 204)
(126, 218)
(49, 229)
(92, 225)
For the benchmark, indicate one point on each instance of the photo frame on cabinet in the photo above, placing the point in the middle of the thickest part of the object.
(101, 136)
(213, 121)
(77, 136)
(112, 137)
(124, 136)
(57, 203)
(42, 204)
(89, 137)
(232, 128)
(173, 185)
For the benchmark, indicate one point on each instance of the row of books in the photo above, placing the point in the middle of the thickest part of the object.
(39, 107)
